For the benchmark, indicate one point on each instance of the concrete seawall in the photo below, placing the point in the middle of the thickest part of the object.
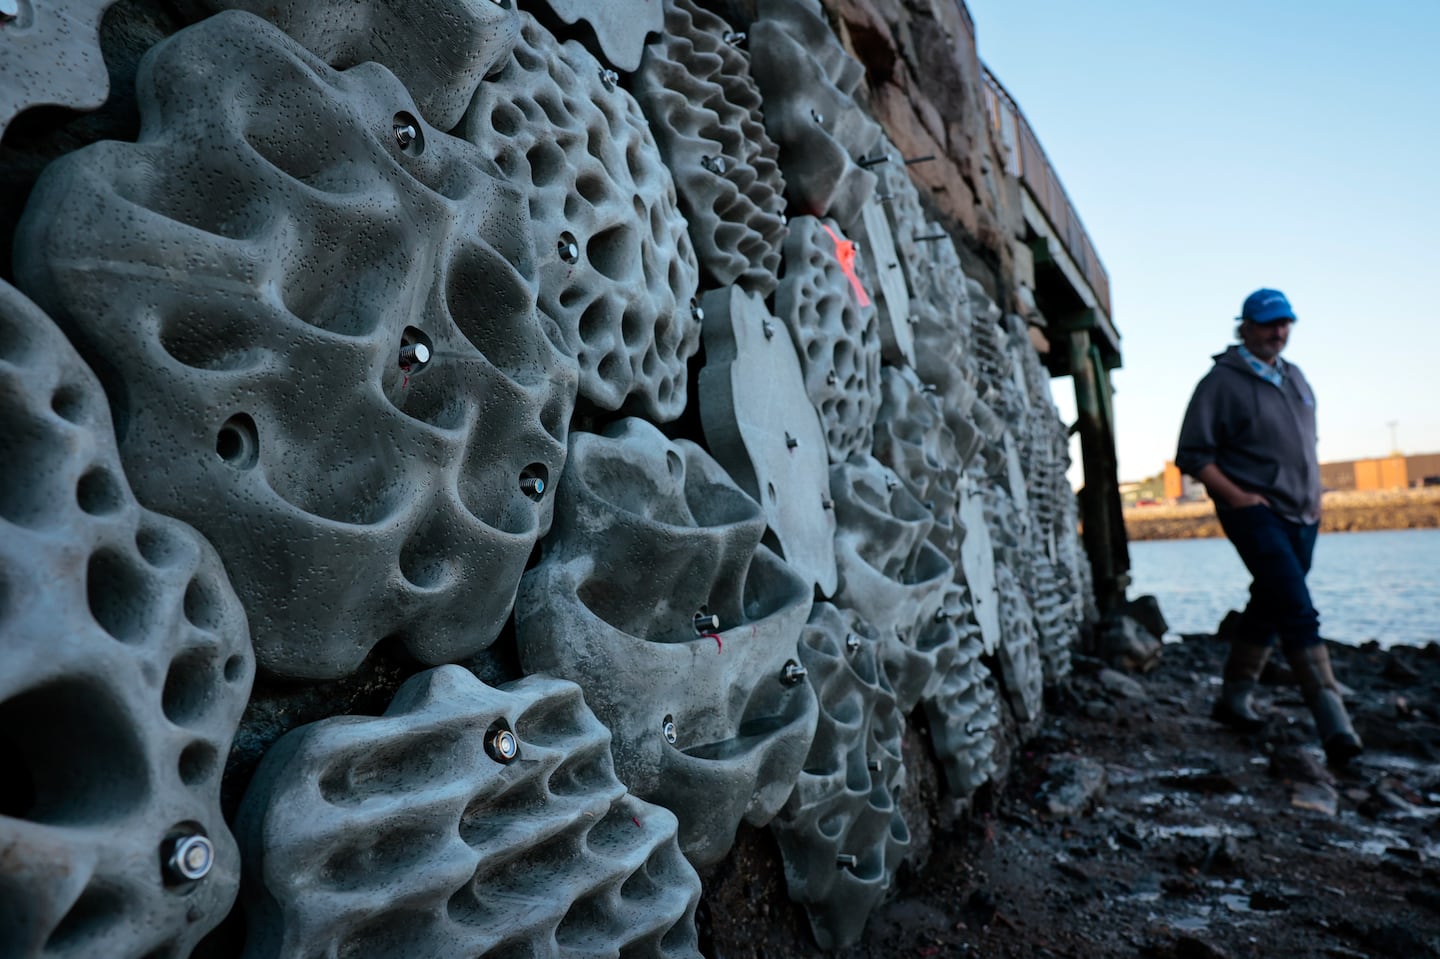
(1347, 511)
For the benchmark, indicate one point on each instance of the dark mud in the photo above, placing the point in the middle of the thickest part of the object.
(1134, 825)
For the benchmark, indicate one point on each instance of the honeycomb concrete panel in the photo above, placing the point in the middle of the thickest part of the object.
(1055, 622)
(963, 711)
(50, 56)
(1021, 669)
(439, 49)
(256, 281)
(824, 304)
(808, 82)
(617, 271)
(620, 26)
(977, 560)
(841, 833)
(760, 426)
(651, 539)
(125, 671)
(892, 295)
(890, 573)
(465, 821)
(704, 112)
(912, 439)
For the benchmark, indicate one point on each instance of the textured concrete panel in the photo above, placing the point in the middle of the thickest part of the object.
(439, 49)
(50, 56)
(710, 717)
(900, 200)
(912, 439)
(977, 560)
(841, 833)
(890, 573)
(892, 295)
(963, 711)
(617, 271)
(1021, 669)
(620, 26)
(825, 306)
(760, 426)
(704, 112)
(465, 821)
(807, 81)
(256, 279)
(125, 670)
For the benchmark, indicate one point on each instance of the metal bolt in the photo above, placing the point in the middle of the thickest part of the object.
(414, 354)
(894, 265)
(873, 765)
(845, 860)
(733, 37)
(532, 486)
(913, 319)
(768, 329)
(568, 247)
(852, 642)
(932, 236)
(891, 483)
(502, 746)
(925, 159)
(696, 313)
(826, 503)
(973, 730)
(667, 729)
(792, 673)
(706, 622)
(818, 118)
(941, 615)
(832, 378)
(930, 505)
(190, 858)
(868, 162)
(715, 165)
(885, 197)
(791, 442)
(406, 134)
(609, 78)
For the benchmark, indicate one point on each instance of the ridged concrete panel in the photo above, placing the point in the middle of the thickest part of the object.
(620, 26)
(963, 711)
(125, 670)
(248, 278)
(617, 271)
(808, 82)
(760, 426)
(823, 301)
(704, 111)
(1021, 669)
(911, 438)
(50, 56)
(712, 722)
(890, 573)
(841, 834)
(427, 832)
(439, 49)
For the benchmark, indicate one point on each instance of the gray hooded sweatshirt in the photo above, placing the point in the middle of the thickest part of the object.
(1261, 436)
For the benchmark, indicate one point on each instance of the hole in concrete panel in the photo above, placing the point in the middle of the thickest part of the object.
(201, 608)
(69, 403)
(157, 547)
(238, 442)
(234, 669)
(613, 252)
(188, 686)
(116, 593)
(71, 756)
(99, 493)
(197, 763)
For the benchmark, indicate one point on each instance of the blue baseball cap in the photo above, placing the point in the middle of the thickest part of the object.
(1266, 306)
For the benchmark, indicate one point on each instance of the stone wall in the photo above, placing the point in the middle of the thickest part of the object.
(462, 466)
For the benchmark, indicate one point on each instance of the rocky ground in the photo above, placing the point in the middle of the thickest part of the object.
(1134, 825)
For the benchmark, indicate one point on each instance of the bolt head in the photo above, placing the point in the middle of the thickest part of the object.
(792, 673)
(852, 642)
(696, 311)
(818, 118)
(405, 134)
(667, 729)
(191, 858)
(568, 247)
(503, 746)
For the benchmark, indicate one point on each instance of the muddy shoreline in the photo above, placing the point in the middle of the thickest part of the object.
(1341, 512)
(1134, 825)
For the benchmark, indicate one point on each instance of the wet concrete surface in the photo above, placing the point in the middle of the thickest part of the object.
(1135, 825)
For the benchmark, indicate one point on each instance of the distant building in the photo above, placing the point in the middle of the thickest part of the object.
(1390, 472)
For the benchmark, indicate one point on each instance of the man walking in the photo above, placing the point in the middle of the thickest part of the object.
(1249, 437)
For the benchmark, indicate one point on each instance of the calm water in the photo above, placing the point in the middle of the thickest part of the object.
(1383, 585)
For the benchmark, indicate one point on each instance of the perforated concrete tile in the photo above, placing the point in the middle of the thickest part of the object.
(704, 111)
(712, 717)
(912, 439)
(620, 26)
(617, 271)
(465, 821)
(841, 833)
(439, 49)
(760, 426)
(823, 301)
(50, 56)
(126, 667)
(808, 82)
(316, 318)
(963, 710)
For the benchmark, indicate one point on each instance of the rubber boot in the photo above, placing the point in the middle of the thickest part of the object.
(1322, 694)
(1242, 671)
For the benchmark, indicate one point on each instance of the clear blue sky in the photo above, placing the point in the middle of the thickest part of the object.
(1213, 148)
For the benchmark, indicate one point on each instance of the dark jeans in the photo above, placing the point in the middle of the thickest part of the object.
(1277, 552)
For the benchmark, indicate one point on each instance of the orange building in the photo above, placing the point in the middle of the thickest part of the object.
(1388, 473)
